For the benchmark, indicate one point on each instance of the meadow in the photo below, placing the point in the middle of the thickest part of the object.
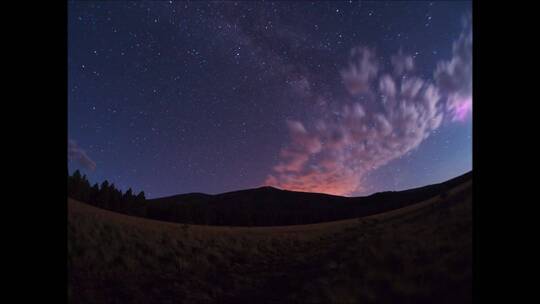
(418, 254)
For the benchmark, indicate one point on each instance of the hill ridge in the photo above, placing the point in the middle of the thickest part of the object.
(268, 206)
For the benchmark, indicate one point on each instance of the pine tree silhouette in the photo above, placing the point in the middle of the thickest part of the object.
(105, 195)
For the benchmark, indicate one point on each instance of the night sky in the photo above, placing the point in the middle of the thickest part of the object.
(346, 98)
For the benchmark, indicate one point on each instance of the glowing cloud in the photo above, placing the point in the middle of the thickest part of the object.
(454, 77)
(334, 155)
(386, 114)
(460, 108)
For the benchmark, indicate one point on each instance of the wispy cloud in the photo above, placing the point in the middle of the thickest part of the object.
(385, 115)
(379, 114)
(454, 77)
(362, 69)
(77, 154)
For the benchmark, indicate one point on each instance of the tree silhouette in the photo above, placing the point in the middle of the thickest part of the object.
(94, 192)
(75, 184)
(77, 175)
(140, 197)
(105, 195)
(128, 196)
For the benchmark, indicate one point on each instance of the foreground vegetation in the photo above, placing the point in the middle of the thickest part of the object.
(418, 254)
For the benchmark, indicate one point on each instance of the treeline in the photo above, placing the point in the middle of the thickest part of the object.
(105, 195)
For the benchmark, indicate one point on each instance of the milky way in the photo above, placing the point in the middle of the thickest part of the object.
(345, 98)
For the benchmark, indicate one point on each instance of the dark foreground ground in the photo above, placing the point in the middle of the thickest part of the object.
(418, 254)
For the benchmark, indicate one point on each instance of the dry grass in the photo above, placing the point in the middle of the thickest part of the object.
(418, 254)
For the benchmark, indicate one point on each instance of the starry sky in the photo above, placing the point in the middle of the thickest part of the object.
(346, 98)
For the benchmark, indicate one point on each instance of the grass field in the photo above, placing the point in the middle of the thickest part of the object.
(418, 254)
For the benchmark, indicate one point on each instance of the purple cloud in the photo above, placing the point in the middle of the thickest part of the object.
(386, 115)
(77, 154)
(454, 77)
(362, 69)
(402, 63)
(334, 155)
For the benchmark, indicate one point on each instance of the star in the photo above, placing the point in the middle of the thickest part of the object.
(216, 81)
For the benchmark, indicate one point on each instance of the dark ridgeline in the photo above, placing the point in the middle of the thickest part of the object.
(265, 206)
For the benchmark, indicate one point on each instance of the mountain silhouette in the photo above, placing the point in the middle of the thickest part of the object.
(269, 206)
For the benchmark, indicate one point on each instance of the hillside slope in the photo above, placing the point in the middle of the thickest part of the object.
(267, 206)
(418, 254)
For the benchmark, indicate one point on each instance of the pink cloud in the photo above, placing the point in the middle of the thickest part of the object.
(387, 114)
(333, 156)
(361, 71)
(460, 108)
(454, 76)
